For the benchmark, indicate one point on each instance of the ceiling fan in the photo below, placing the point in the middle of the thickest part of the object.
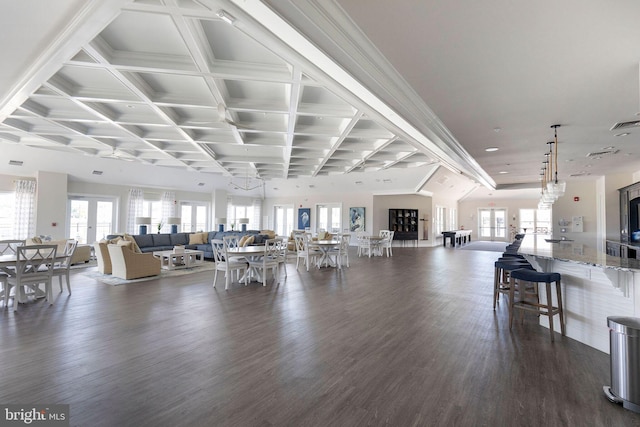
(223, 117)
(118, 155)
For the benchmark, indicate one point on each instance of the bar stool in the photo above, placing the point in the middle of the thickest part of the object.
(503, 266)
(547, 309)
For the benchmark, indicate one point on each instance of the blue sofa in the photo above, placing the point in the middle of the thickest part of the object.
(166, 241)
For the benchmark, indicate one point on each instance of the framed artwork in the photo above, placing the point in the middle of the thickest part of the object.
(356, 219)
(304, 218)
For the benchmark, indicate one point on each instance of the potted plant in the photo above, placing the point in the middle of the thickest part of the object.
(160, 224)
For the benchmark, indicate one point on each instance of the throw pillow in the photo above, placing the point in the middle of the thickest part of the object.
(134, 245)
(195, 239)
(270, 233)
(249, 241)
(125, 243)
(242, 241)
(205, 237)
(36, 240)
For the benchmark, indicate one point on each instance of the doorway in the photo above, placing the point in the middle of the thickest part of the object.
(492, 224)
(90, 218)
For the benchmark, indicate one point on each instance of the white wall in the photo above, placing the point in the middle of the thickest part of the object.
(51, 204)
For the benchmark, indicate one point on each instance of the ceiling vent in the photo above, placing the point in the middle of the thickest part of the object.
(625, 125)
(15, 162)
(603, 153)
(97, 172)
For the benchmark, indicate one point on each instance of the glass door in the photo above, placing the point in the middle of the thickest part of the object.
(90, 219)
(283, 220)
(492, 224)
(329, 218)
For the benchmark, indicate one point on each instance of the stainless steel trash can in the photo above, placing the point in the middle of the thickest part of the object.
(624, 342)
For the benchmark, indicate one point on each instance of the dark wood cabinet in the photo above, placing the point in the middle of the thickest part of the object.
(404, 223)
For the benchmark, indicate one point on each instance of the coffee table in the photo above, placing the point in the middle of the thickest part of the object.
(171, 260)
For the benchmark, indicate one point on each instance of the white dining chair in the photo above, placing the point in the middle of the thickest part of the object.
(223, 263)
(10, 247)
(34, 266)
(284, 254)
(365, 247)
(387, 243)
(63, 267)
(269, 261)
(341, 253)
(304, 251)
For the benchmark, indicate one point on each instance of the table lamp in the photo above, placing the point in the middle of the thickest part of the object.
(174, 221)
(142, 221)
(244, 222)
(221, 222)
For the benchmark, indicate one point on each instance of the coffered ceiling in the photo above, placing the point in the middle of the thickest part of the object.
(205, 94)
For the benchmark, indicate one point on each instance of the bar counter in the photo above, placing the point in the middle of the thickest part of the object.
(594, 286)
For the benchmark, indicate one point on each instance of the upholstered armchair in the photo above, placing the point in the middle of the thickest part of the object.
(102, 257)
(127, 264)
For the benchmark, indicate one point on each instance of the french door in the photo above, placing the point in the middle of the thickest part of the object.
(492, 224)
(90, 218)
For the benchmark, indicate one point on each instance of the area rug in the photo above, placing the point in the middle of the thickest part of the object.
(481, 245)
(108, 279)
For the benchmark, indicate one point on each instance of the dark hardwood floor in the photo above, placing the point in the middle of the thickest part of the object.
(410, 340)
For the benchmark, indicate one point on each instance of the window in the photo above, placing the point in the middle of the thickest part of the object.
(439, 220)
(535, 220)
(193, 216)
(7, 202)
(283, 220)
(90, 218)
(153, 209)
(453, 219)
(244, 208)
(329, 217)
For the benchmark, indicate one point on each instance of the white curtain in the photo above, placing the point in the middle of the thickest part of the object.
(231, 213)
(168, 209)
(257, 215)
(136, 200)
(24, 226)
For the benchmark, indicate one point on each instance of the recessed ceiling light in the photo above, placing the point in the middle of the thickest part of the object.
(97, 172)
(490, 149)
(15, 162)
(622, 134)
(611, 147)
(276, 188)
(386, 181)
(200, 184)
(503, 172)
(359, 182)
(496, 130)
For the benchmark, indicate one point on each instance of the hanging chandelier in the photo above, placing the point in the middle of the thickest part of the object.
(551, 188)
(248, 184)
(555, 187)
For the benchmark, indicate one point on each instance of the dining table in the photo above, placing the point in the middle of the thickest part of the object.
(325, 247)
(8, 264)
(252, 253)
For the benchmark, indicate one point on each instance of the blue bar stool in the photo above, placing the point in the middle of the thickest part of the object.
(523, 276)
(501, 282)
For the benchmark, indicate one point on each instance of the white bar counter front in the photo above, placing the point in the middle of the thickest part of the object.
(594, 286)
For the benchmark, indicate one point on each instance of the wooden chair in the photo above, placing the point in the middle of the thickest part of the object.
(387, 243)
(34, 265)
(341, 254)
(270, 260)
(303, 250)
(224, 263)
(62, 268)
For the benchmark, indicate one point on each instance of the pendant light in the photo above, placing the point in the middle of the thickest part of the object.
(555, 187)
